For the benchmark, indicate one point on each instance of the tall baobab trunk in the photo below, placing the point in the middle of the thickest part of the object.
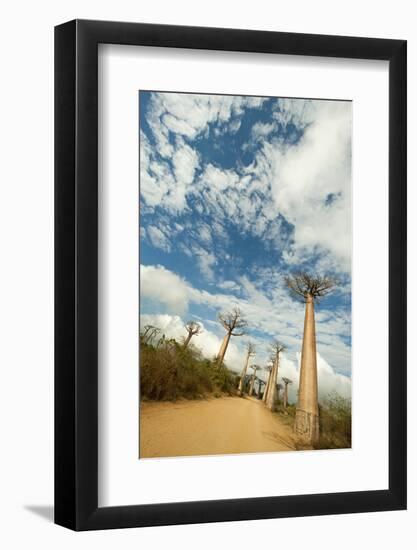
(279, 389)
(309, 288)
(232, 322)
(286, 381)
(272, 390)
(252, 380)
(193, 329)
(250, 352)
(252, 383)
(187, 340)
(242, 378)
(223, 348)
(307, 412)
(272, 393)
(267, 387)
(260, 384)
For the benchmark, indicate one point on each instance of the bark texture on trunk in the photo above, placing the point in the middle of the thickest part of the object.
(223, 348)
(259, 389)
(187, 340)
(242, 378)
(271, 397)
(266, 387)
(252, 384)
(285, 396)
(307, 413)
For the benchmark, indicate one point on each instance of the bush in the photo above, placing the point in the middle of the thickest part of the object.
(335, 423)
(169, 372)
(291, 408)
(225, 380)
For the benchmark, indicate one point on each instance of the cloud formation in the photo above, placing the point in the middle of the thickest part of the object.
(305, 184)
(165, 287)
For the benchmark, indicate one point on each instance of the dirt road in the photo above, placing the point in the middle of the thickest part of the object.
(227, 425)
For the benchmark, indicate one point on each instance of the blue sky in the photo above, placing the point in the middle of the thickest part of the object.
(235, 193)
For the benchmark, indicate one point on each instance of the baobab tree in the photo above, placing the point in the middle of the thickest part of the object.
(272, 395)
(260, 384)
(234, 324)
(149, 333)
(250, 352)
(193, 329)
(161, 342)
(253, 378)
(286, 381)
(309, 289)
(280, 387)
(268, 369)
(246, 383)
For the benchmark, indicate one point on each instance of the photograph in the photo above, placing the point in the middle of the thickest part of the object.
(245, 274)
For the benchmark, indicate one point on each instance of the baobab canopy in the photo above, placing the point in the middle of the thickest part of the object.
(193, 329)
(233, 321)
(234, 324)
(302, 285)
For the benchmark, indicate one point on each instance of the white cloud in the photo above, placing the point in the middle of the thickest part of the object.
(299, 112)
(185, 161)
(229, 285)
(162, 185)
(155, 178)
(329, 380)
(205, 261)
(311, 184)
(171, 325)
(204, 233)
(165, 287)
(307, 183)
(189, 115)
(234, 125)
(158, 238)
(261, 130)
(178, 126)
(218, 179)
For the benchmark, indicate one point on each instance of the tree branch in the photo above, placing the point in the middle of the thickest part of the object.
(304, 285)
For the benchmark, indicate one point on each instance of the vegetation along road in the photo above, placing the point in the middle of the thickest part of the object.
(226, 425)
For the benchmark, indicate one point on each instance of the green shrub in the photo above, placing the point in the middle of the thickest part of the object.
(290, 410)
(335, 423)
(169, 372)
(225, 380)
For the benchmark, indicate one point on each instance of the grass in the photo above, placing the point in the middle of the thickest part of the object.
(168, 372)
(335, 422)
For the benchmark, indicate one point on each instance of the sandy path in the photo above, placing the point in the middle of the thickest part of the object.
(227, 425)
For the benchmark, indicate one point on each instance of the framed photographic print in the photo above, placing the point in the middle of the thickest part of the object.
(230, 234)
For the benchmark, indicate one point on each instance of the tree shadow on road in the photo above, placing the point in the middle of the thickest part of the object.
(276, 438)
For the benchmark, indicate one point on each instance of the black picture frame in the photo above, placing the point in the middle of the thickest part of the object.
(76, 272)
